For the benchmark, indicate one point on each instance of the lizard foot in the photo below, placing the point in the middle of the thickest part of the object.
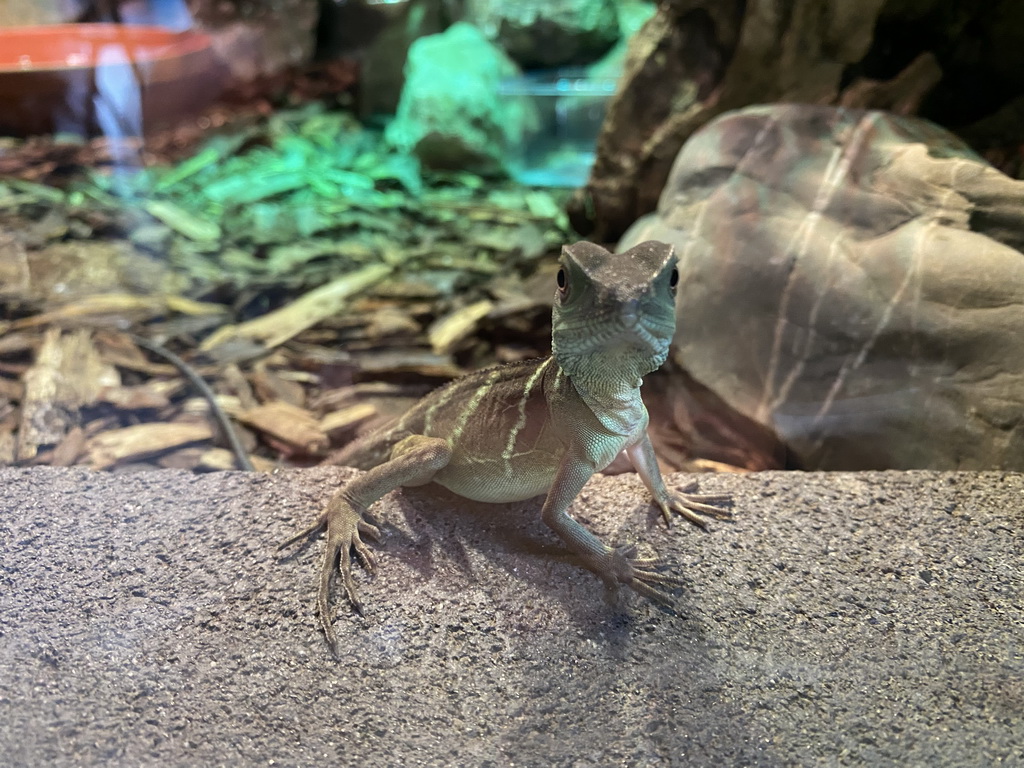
(344, 524)
(693, 505)
(643, 575)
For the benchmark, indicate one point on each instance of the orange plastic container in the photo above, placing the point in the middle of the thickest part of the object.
(103, 79)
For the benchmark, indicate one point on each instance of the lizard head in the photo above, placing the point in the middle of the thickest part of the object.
(614, 314)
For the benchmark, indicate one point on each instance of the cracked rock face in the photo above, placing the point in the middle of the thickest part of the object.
(855, 281)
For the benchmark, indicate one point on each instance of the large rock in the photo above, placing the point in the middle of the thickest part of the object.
(548, 33)
(697, 59)
(855, 281)
(450, 114)
(694, 60)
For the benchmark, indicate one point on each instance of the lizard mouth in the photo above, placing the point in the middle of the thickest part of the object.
(624, 330)
(611, 352)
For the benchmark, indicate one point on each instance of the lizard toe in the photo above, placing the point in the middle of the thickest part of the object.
(644, 575)
(652, 593)
(344, 525)
(305, 533)
(369, 529)
(694, 506)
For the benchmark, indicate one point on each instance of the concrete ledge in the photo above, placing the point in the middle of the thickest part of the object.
(871, 618)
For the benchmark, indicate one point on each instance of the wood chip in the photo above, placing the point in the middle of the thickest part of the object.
(11, 389)
(67, 374)
(134, 398)
(141, 441)
(116, 308)
(238, 384)
(278, 327)
(181, 221)
(7, 447)
(184, 458)
(421, 362)
(70, 449)
(391, 321)
(220, 459)
(269, 385)
(18, 343)
(347, 418)
(295, 427)
(448, 331)
(230, 404)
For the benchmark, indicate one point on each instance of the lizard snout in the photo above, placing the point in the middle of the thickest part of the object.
(629, 312)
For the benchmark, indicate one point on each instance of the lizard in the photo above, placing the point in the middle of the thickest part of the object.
(545, 426)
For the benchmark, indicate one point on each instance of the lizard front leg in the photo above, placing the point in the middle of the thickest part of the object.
(689, 505)
(614, 566)
(414, 461)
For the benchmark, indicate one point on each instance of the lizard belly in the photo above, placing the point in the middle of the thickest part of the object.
(525, 475)
(492, 481)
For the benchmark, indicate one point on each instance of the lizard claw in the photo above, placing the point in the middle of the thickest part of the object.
(644, 575)
(692, 505)
(345, 528)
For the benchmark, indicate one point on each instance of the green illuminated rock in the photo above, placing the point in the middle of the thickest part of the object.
(451, 115)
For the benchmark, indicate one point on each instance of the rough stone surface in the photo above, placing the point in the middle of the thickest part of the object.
(871, 619)
(854, 281)
(548, 33)
(450, 114)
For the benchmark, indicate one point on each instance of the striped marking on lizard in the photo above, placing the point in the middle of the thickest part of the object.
(473, 404)
(510, 444)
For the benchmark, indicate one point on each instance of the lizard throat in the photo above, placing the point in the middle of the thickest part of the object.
(617, 405)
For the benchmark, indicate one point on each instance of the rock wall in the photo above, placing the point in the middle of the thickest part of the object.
(548, 33)
(694, 60)
(451, 115)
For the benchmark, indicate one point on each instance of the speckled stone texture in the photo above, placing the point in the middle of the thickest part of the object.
(842, 619)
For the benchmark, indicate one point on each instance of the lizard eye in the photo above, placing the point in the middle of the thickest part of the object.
(673, 280)
(562, 281)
